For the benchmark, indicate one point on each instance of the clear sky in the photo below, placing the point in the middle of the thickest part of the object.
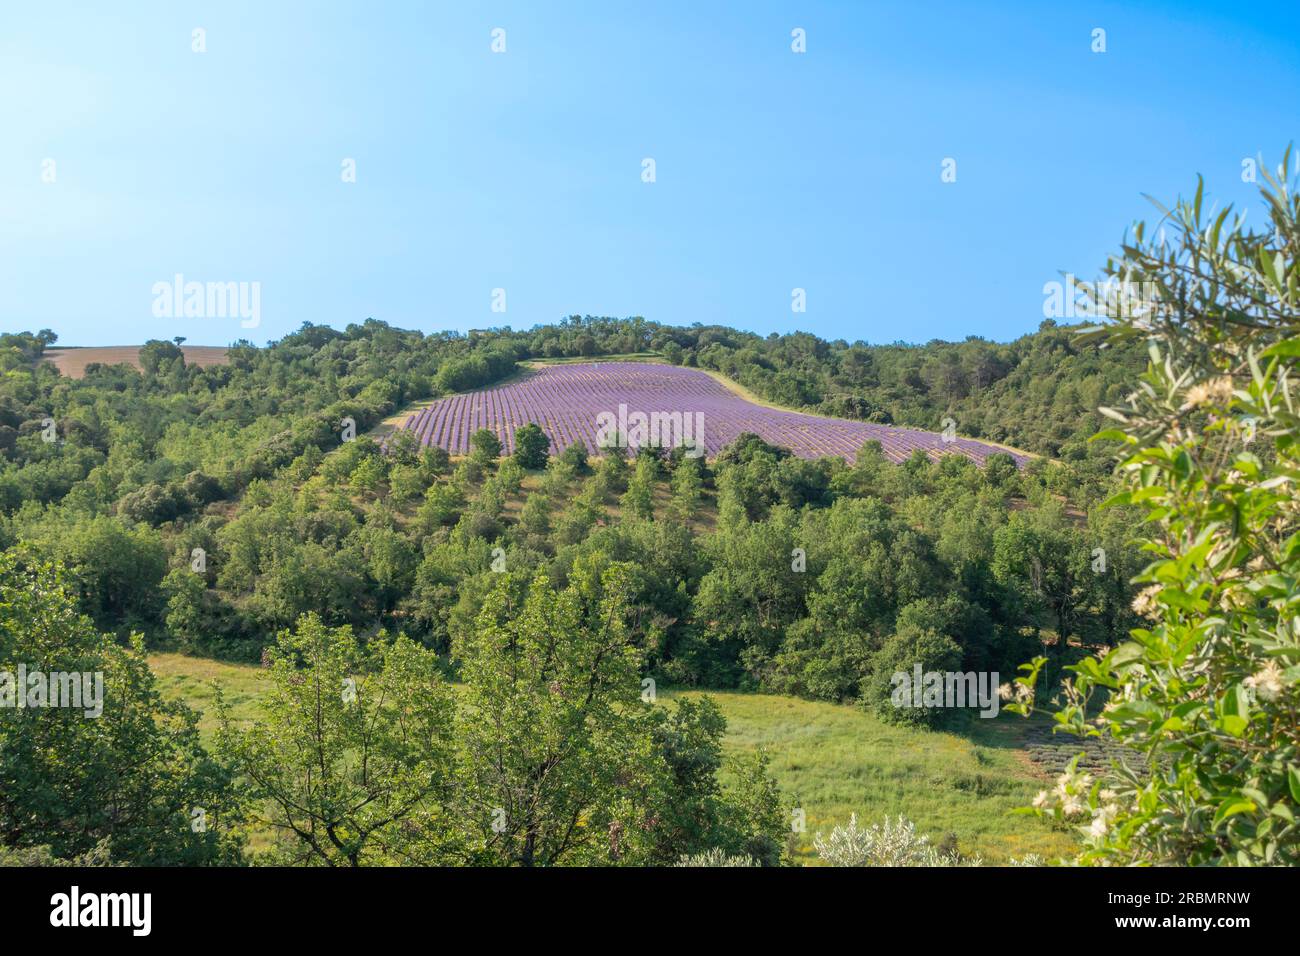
(523, 170)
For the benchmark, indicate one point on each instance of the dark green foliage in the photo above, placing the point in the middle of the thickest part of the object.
(128, 781)
(887, 693)
(576, 456)
(486, 445)
(531, 446)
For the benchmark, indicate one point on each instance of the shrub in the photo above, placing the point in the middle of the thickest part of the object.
(576, 457)
(716, 857)
(891, 843)
(531, 446)
(486, 444)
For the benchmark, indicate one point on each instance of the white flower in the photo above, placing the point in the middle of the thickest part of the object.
(1040, 800)
(1144, 604)
(1218, 391)
(1266, 682)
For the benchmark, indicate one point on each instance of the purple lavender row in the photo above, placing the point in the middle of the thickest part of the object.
(567, 400)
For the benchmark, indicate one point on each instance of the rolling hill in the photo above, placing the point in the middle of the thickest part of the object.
(584, 403)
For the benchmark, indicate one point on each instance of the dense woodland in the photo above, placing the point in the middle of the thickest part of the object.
(246, 463)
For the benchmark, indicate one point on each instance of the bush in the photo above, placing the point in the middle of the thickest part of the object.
(531, 446)
(576, 457)
(892, 843)
(716, 857)
(900, 655)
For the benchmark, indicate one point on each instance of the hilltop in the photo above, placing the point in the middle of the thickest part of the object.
(72, 360)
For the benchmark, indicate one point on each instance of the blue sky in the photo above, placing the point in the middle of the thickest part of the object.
(522, 170)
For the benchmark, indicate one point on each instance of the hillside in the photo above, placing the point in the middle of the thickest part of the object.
(588, 403)
(225, 512)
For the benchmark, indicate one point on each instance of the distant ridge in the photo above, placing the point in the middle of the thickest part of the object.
(72, 360)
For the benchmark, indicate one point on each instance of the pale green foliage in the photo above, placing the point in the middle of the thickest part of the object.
(1206, 692)
(715, 857)
(890, 843)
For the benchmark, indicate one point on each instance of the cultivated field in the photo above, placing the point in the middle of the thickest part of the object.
(72, 361)
(569, 400)
(829, 759)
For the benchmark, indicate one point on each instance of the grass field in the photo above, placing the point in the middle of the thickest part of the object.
(831, 759)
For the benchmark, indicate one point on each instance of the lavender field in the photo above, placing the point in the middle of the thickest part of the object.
(567, 401)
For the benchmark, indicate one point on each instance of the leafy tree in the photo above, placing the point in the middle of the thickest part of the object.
(116, 570)
(132, 779)
(485, 444)
(575, 456)
(614, 468)
(553, 730)
(755, 822)
(157, 357)
(354, 759)
(900, 656)
(1042, 555)
(638, 500)
(535, 516)
(185, 619)
(531, 446)
(687, 485)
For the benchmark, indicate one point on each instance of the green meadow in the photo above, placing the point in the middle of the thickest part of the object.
(830, 760)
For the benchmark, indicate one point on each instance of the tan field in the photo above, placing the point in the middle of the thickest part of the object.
(72, 361)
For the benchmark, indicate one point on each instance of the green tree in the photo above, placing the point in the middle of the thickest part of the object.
(353, 761)
(555, 736)
(638, 500)
(888, 695)
(687, 485)
(485, 445)
(531, 446)
(132, 777)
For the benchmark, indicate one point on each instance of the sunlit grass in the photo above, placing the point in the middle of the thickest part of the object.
(835, 760)
(831, 760)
